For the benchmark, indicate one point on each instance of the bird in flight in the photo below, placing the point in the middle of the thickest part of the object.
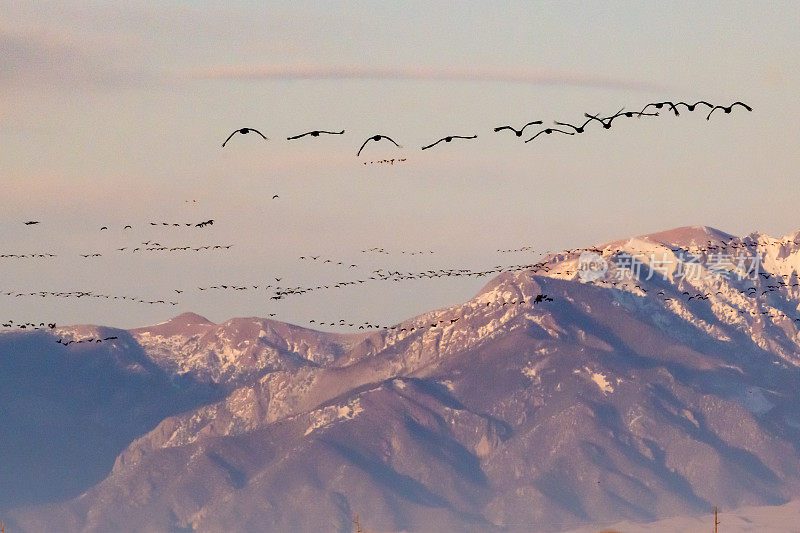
(578, 129)
(243, 131)
(606, 122)
(376, 138)
(315, 133)
(548, 131)
(691, 107)
(127, 227)
(275, 196)
(728, 109)
(31, 222)
(659, 105)
(629, 114)
(518, 132)
(602, 121)
(448, 139)
(104, 227)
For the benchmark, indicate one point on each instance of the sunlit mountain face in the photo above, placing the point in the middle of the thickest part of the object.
(638, 380)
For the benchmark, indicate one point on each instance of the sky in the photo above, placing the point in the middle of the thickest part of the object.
(114, 113)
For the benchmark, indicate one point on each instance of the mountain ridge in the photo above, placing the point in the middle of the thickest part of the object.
(611, 402)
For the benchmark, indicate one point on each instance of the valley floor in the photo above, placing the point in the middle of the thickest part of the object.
(762, 519)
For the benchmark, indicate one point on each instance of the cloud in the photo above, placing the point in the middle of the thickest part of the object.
(36, 57)
(324, 72)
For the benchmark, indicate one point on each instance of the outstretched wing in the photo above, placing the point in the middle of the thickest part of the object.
(262, 135)
(743, 105)
(363, 145)
(298, 136)
(229, 137)
(501, 128)
(714, 109)
(532, 138)
(643, 109)
(570, 125)
(530, 124)
(672, 108)
(390, 139)
(434, 144)
(595, 117)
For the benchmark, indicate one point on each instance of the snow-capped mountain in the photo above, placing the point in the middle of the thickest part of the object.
(550, 400)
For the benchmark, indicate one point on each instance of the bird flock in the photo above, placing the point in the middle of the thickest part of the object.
(605, 122)
(765, 284)
(83, 294)
(280, 292)
(89, 340)
(539, 298)
(28, 325)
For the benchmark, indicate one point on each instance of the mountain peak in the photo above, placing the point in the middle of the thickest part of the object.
(687, 235)
(682, 236)
(190, 319)
(183, 324)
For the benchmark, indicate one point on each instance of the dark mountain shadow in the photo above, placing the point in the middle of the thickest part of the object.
(609, 416)
(344, 512)
(436, 390)
(760, 478)
(237, 476)
(449, 451)
(404, 486)
(68, 412)
(560, 493)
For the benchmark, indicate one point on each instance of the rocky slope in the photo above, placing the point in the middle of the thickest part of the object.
(620, 399)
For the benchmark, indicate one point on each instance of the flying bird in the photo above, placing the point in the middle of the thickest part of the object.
(659, 105)
(691, 107)
(376, 138)
(243, 131)
(728, 109)
(518, 132)
(275, 196)
(448, 139)
(606, 122)
(602, 121)
(104, 227)
(578, 129)
(31, 222)
(548, 131)
(629, 114)
(315, 133)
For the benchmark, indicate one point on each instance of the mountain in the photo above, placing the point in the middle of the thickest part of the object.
(612, 399)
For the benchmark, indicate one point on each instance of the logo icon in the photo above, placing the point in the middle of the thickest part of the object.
(591, 266)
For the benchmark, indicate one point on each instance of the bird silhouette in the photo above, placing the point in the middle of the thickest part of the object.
(548, 131)
(31, 222)
(659, 105)
(691, 107)
(127, 227)
(104, 227)
(274, 196)
(631, 113)
(376, 138)
(606, 125)
(243, 131)
(448, 139)
(518, 132)
(728, 109)
(315, 133)
(606, 122)
(578, 129)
